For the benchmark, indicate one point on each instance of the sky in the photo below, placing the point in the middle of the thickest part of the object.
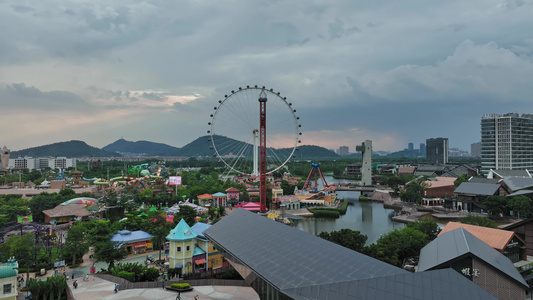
(389, 71)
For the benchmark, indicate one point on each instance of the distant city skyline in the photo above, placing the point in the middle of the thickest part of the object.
(392, 73)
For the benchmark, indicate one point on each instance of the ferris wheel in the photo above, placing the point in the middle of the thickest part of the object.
(235, 130)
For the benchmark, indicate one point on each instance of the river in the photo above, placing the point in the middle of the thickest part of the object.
(370, 218)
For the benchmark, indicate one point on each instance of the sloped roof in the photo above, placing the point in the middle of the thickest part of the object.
(484, 180)
(199, 229)
(78, 210)
(219, 194)
(520, 192)
(440, 182)
(459, 242)
(232, 189)
(484, 189)
(182, 232)
(205, 196)
(511, 173)
(313, 268)
(518, 183)
(496, 238)
(7, 271)
(198, 251)
(125, 236)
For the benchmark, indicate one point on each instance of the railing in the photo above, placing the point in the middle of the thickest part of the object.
(124, 284)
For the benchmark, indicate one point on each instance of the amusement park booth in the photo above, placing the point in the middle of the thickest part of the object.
(205, 199)
(219, 199)
(134, 241)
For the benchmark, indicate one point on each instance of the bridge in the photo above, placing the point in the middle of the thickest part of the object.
(355, 189)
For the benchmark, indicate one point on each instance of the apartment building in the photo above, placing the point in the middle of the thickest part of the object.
(506, 142)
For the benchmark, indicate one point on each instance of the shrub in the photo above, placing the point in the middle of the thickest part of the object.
(323, 213)
(129, 276)
(151, 274)
(180, 285)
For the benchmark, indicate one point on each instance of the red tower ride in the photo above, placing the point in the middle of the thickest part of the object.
(262, 151)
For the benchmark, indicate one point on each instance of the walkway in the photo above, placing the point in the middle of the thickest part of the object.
(97, 288)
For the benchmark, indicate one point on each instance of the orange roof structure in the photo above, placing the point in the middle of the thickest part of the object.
(232, 189)
(440, 182)
(205, 196)
(496, 238)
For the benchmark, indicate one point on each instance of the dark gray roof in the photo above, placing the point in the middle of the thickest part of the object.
(521, 192)
(438, 284)
(458, 242)
(424, 173)
(484, 189)
(512, 173)
(432, 168)
(484, 180)
(518, 183)
(303, 266)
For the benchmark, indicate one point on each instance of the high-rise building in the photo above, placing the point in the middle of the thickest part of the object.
(475, 149)
(422, 149)
(410, 147)
(344, 150)
(437, 151)
(506, 142)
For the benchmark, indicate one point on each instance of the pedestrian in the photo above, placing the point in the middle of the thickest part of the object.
(75, 284)
(116, 288)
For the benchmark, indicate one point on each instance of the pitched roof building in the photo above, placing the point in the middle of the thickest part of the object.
(281, 262)
(467, 255)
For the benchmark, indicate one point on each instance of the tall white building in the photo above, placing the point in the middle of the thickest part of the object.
(506, 142)
(366, 168)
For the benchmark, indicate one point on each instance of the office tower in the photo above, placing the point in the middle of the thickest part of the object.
(410, 147)
(422, 149)
(344, 150)
(366, 168)
(506, 142)
(437, 151)
(475, 149)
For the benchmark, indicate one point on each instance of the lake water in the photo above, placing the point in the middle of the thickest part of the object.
(370, 218)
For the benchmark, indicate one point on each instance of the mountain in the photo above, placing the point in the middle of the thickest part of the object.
(141, 148)
(200, 147)
(71, 149)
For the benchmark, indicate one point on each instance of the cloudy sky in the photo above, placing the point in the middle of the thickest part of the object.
(390, 71)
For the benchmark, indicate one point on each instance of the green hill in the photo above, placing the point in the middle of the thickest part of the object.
(141, 148)
(200, 147)
(71, 149)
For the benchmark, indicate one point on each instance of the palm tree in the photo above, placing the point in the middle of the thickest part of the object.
(159, 235)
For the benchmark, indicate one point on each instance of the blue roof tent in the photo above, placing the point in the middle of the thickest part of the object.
(280, 261)
(126, 236)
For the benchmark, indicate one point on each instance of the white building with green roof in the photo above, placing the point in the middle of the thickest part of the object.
(8, 280)
(182, 240)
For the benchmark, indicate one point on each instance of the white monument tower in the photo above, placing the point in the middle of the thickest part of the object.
(366, 168)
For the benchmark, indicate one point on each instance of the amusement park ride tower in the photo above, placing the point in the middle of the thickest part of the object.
(315, 169)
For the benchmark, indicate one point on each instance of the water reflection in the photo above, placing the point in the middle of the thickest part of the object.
(369, 218)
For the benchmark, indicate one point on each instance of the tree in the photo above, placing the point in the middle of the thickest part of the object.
(495, 204)
(110, 252)
(351, 239)
(426, 226)
(187, 213)
(76, 244)
(414, 192)
(460, 179)
(397, 245)
(478, 220)
(158, 239)
(521, 204)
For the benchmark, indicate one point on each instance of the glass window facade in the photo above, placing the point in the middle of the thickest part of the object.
(506, 142)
